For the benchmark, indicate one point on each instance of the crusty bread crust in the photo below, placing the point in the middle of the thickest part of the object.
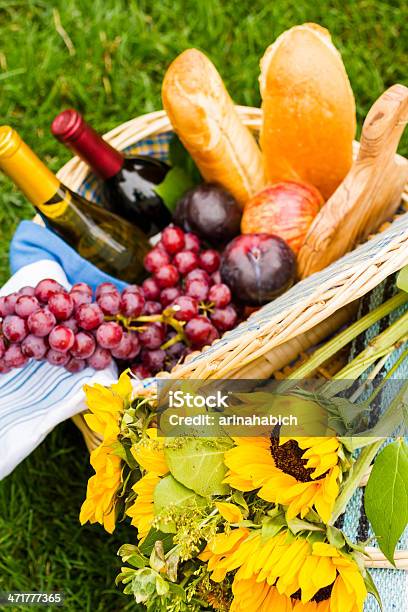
(204, 117)
(308, 110)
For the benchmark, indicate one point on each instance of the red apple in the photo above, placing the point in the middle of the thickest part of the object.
(285, 209)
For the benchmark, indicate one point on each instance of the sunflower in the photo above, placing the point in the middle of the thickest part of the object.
(99, 505)
(149, 453)
(285, 573)
(300, 473)
(106, 406)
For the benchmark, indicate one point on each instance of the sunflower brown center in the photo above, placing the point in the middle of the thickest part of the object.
(321, 595)
(288, 458)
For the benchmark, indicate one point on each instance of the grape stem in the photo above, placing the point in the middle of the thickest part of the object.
(167, 316)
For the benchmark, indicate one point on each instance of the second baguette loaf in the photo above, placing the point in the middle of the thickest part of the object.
(204, 117)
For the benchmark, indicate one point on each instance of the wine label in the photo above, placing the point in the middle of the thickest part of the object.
(57, 205)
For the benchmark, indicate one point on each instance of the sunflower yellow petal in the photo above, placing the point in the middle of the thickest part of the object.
(230, 512)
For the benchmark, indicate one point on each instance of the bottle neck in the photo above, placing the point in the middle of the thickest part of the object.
(70, 128)
(21, 164)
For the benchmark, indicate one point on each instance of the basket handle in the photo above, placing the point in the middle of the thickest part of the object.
(370, 193)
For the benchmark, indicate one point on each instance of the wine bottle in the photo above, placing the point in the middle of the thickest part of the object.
(109, 242)
(131, 184)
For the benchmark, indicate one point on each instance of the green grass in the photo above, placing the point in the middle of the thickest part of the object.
(112, 70)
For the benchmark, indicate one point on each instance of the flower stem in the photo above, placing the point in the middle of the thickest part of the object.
(363, 461)
(354, 478)
(346, 336)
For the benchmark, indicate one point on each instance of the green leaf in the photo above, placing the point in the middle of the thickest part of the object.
(402, 279)
(175, 184)
(198, 463)
(131, 554)
(152, 537)
(386, 496)
(297, 524)
(335, 536)
(239, 499)
(169, 493)
(271, 526)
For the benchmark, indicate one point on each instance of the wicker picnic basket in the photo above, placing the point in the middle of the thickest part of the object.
(248, 350)
(302, 317)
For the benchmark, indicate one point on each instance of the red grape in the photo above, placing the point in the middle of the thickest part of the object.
(25, 305)
(176, 350)
(153, 360)
(131, 304)
(105, 288)
(46, 288)
(83, 288)
(156, 259)
(197, 289)
(2, 347)
(220, 295)
(13, 357)
(210, 260)
(216, 277)
(167, 276)
(224, 318)
(131, 289)
(152, 308)
(214, 334)
(71, 324)
(153, 335)
(61, 338)
(7, 304)
(5, 369)
(61, 305)
(100, 359)
(109, 335)
(128, 348)
(14, 328)
(79, 298)
(140, 371)
(185, 308)
(109, 303)
(199, 274)
(75, 365)
(33, 346)
(192, 242)
(150, 289)
(57, 358)
(4, 311)
(168, 295)
(26, 290)
(199, 331)
(84, 345)
(185, 261)
(41, 322)
(172, 239)
(89, 316)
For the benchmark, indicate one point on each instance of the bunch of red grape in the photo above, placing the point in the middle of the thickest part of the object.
(181, 307)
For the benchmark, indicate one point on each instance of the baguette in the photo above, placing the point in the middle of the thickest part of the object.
(206, 121)
(308, 110)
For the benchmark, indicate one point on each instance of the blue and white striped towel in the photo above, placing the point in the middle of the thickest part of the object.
(34, 399)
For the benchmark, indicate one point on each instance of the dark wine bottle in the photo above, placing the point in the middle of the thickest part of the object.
(130, 183)
(109, 242)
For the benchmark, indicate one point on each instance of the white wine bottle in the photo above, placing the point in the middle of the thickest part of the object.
(108, 241)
